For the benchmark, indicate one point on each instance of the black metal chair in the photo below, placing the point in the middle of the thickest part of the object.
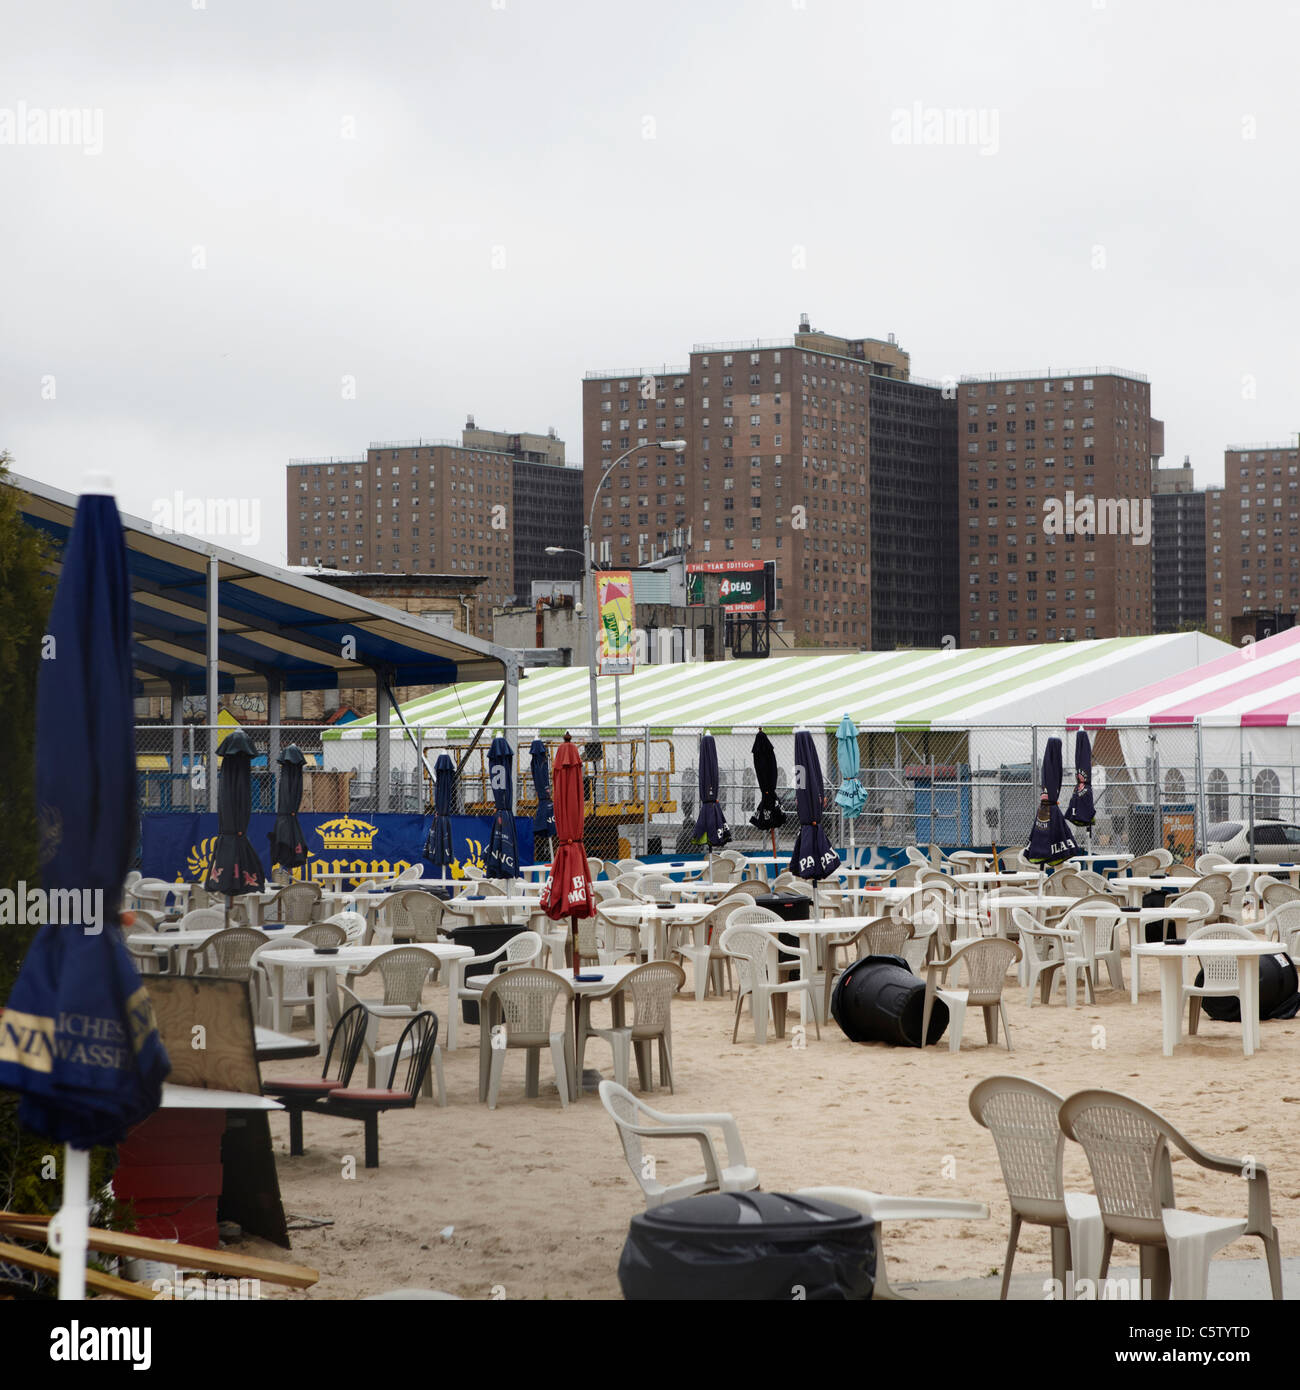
(298, 1096)
(367, 1103)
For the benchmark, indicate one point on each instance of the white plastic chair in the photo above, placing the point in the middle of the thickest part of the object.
(1209, 863)
(1044, 954)
(636, 1121)
(984, 961)
(1024, 1120)
(751, 942)
(1128, 1150)
(1281, 924)
(1103, 934)
(649, 990)
(1222, 978)
(528, 998)
(527, 948)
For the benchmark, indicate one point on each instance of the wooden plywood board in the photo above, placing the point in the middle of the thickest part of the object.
(207, 1028)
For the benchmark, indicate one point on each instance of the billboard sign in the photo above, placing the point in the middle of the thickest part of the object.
(615, 656)
(742, 588)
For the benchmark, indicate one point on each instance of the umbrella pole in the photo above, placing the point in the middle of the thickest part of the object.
(575, 1085)
(73, 1222)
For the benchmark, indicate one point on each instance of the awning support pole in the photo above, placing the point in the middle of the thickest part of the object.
(274, 687)
(510, 691)
(213, 636)
(178, 747)
(383, 715)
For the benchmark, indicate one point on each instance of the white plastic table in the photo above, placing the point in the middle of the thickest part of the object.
(180, 891)
(1171, 957)
(1133, 888)
(1135, 921)
(478, 908)
(657, 919)
(320, 969)
(183, 942)
(610, 977)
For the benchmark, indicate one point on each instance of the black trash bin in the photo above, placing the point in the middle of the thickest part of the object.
(1279, 992)
(480, 940)
(749, 1245)
(879, 999)
(789, 907)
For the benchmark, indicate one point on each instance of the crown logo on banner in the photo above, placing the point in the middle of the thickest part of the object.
(347, 833)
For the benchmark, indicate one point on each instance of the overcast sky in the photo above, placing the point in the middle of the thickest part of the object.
(462, 205)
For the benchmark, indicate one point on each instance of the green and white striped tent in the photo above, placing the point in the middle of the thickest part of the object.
(994, 693)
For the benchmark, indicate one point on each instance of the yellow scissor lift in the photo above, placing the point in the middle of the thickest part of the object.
(614, 785)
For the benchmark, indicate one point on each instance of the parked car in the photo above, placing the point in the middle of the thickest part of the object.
(1274, 842)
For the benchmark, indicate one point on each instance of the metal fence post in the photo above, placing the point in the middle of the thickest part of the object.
(1157, 801)
(189, 731)
(645, 801)
(1250, 798)
(1200, 795)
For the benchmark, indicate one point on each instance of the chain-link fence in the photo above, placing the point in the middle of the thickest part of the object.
(968, 787)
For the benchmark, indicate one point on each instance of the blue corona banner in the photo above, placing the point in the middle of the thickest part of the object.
(178, 847)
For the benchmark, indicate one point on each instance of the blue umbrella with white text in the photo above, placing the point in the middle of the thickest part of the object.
(78, 1037)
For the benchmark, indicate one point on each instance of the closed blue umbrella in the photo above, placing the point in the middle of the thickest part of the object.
(1050, 841)
(544, 816)
(1081, 810)
(502, 858)
(437, 844)
(711, 822)
(78, 1037)
(852, 795)
(813, 858)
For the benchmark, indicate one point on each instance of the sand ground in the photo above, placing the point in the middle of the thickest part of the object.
(538, 1198)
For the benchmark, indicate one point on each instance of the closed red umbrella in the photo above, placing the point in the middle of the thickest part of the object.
(568, 890)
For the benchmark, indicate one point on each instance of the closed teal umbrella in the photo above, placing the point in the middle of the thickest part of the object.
(852, 795)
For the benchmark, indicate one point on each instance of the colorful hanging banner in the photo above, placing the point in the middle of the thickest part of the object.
(614, 603)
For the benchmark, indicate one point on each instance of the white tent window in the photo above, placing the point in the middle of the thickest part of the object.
(1175, 785)
(1267, 793)
(1217, 794)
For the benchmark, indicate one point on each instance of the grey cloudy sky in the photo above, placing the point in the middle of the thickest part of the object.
(456, 204)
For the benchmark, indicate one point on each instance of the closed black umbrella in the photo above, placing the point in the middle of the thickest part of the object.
(235, 867)
(288, 843)
(1081, 811)
(769, 813)
(1050, 841)
(813, 858)
(437, 844)
(502, 858)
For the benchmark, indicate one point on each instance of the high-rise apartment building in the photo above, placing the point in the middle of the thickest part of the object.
(1254, 535)
(1178, 578)
(777, 466)
(1055, 506)
(423, 505)
(913, 493)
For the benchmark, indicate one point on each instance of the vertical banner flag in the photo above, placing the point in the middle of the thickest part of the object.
(614, 602)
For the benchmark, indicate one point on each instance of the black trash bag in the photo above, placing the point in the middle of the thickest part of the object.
(879, 999)
(1158, 930)
(726, 1246)
(1279, 992)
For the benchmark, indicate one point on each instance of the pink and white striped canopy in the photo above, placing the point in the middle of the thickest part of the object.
(1254, 687)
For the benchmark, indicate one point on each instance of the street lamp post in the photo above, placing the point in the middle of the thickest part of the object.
(589, 576)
